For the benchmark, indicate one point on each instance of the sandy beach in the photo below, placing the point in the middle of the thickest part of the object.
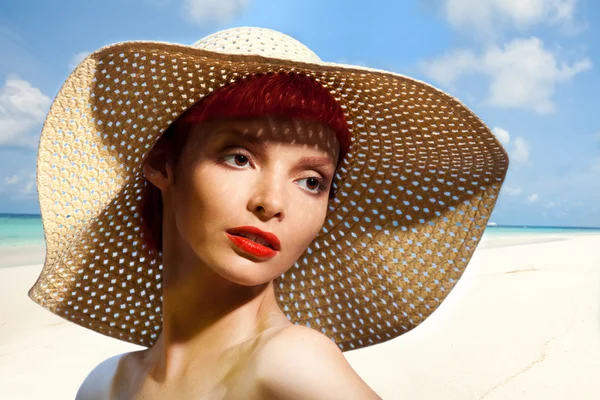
(522, 323)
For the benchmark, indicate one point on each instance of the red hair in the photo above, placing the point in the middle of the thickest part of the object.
(286, 95)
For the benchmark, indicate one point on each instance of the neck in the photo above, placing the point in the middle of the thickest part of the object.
(205, 314)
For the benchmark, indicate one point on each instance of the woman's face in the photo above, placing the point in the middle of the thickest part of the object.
(271, 174)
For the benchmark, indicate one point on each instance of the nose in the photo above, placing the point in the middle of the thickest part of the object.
(268, 198)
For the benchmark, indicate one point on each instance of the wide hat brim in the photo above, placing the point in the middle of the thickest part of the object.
(414, 194)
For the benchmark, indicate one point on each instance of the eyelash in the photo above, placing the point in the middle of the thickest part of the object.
(320, 189)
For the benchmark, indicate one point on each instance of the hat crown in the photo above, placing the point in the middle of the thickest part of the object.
(259, 42)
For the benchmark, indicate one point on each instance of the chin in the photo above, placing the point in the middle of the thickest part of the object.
(246, 272)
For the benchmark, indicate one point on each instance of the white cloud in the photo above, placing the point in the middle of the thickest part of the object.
(522, 74)
(450, 67)
(550, 204)
(77, 58)
(20, 186)
(512, 191)
(11, 180)
(502, 135)
(29, 187)
(533, 198)
(210, 11)
(520, 151)
(489, 16)
(22, 107)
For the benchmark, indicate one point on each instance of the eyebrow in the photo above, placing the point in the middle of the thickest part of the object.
(314, 162)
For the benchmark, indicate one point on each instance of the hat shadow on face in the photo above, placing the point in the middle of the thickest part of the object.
(410, 206)
(272, 129)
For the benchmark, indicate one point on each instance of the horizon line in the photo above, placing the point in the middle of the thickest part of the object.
(487, 226)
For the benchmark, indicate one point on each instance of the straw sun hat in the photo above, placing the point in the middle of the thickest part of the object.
(414, 193)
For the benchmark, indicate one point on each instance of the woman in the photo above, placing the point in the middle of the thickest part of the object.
(291, 210)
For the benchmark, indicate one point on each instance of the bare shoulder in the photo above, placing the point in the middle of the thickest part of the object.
(97, 385)
(301, 363)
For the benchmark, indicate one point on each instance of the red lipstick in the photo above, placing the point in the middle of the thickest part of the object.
(246, 237)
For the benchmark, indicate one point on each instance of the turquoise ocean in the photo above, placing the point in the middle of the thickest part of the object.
(21, 230)
(26, 230)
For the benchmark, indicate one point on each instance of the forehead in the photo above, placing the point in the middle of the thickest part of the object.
(305, 133)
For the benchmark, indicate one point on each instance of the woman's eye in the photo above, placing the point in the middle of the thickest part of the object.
(314, 185)
(237, 160)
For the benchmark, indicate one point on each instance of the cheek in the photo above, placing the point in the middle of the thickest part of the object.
(305, 223)
(209, 195)
(192, 200)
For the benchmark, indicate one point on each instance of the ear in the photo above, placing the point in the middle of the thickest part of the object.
(158, 169)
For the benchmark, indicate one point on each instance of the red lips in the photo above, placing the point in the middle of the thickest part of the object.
(251, 246)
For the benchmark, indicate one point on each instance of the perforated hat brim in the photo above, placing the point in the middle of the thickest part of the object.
(414, 194)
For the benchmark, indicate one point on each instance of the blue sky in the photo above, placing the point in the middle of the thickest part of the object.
(528, 68)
